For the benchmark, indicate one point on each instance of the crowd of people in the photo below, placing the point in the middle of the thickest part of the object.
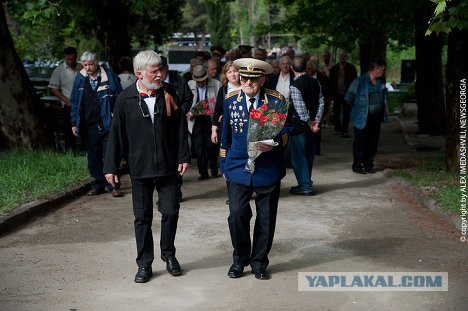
(154, 121)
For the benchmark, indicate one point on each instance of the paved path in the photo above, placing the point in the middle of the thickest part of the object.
(81, 256)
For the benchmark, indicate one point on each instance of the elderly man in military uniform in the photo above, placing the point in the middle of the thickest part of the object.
(264, 181)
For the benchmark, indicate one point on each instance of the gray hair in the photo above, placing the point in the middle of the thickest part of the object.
(196, 61)
(88, 56)
(144, 59)
(312, 63)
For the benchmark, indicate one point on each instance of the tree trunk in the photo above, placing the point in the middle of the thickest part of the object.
(429, 78)
(113, 20)
(374, 47)
(20, 112)
(457, 70)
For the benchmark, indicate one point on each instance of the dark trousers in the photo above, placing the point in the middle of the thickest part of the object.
(69, 138)
(339, 104)
(142, 196)
(205, 151)
(366, 142)
(240, 213)
(96, 143)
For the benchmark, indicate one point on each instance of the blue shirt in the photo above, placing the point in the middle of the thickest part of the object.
(366, 98)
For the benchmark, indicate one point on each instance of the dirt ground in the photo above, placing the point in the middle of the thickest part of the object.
(81, 256)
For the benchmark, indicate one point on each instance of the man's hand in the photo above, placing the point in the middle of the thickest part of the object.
(112, 179)
(263, 147)
(214, 134)
(315, 126)
(182, 168)
(74, 130)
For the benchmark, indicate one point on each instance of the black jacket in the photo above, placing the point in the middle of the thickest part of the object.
(272, 80)
(151, 150)
(182, 89)
(350, 74)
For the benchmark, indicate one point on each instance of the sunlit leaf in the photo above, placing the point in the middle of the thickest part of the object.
(440, 8)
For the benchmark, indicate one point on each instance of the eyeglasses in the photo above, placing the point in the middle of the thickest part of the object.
(144, 108)
(253, 80)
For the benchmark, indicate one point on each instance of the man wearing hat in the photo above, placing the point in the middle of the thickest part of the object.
(245, 51)
(203, 88)
(265, 180)
(217, 54)
(261, 54)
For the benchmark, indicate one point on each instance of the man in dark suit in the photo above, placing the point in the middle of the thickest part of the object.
(150, 132)
(265, 180)
(283, 79)
(341, 76)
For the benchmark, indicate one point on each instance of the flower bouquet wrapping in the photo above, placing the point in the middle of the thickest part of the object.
(264, 124)
(204, 107)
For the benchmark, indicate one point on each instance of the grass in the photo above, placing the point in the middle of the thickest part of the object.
(432, 178)
(29, 175)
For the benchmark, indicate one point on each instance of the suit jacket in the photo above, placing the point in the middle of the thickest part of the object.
(350, 75)
(212, 89)
(272, 80)
(269, 166)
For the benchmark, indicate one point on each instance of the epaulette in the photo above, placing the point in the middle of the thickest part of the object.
(274, 93)
(231, 94)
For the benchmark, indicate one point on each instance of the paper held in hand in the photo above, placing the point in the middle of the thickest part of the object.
(254, 153)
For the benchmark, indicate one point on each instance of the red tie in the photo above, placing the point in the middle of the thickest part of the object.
(144, 95)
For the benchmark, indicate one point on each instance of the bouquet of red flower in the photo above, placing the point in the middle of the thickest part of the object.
(204, 108)
(264, 125)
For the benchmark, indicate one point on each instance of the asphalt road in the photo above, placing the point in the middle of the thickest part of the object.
(81, 256)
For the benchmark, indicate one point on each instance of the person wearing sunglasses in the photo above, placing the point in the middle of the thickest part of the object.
(149, 131)
(264, 181)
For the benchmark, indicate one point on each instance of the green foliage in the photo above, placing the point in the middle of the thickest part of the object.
(218, 22)
(448, 15)
(41, 28)
(40, 11)
(432, 178)
(342, 23)
(28, 175)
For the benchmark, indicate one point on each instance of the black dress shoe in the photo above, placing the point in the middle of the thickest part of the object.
(143, 275)
(261, 274)
(370, 171)
(236, 271)
(359, 170)
(172, 265)
(299, 191)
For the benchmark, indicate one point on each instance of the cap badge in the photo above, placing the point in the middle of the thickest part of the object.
(250, 67)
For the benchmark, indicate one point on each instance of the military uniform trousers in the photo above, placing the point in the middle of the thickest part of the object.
(240, 213)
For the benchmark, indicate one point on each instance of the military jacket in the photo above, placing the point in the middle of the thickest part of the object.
(269, 166)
